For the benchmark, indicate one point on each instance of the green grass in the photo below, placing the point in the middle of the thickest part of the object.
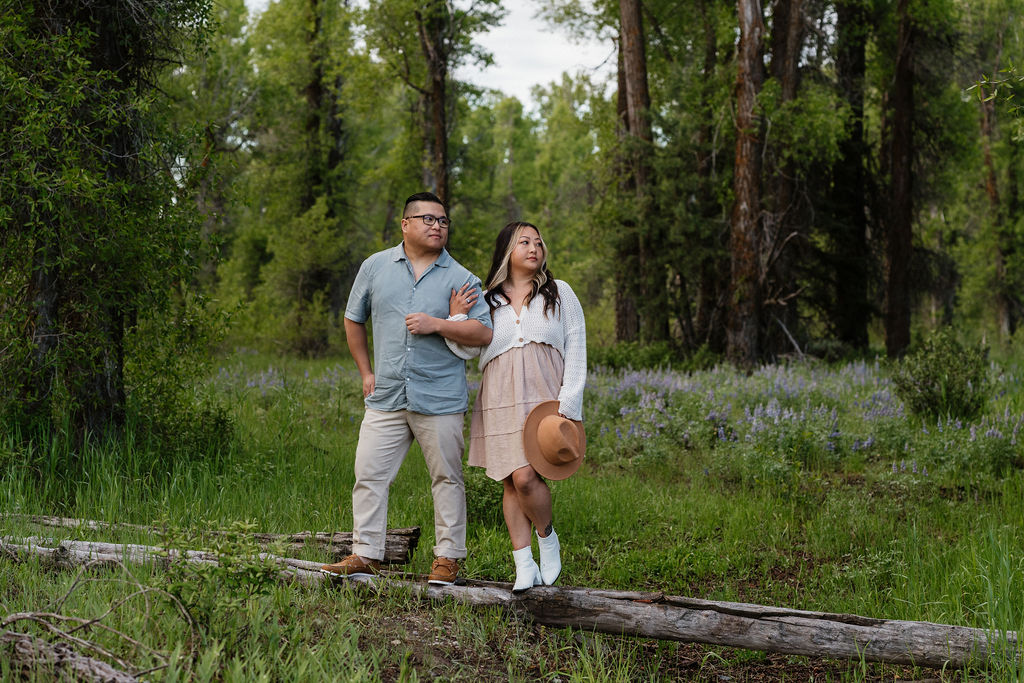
(713, 485)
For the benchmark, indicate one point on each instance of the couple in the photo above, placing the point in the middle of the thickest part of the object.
(528, 331)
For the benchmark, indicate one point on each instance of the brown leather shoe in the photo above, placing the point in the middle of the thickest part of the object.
(351, 566)
(443, 572)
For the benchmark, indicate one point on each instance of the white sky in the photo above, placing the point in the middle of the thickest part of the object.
(526, 53)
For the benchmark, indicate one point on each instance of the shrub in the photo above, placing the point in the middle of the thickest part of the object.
(483, 498)
(944, 378)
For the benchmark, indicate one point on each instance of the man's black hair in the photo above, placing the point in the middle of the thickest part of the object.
(424, 197)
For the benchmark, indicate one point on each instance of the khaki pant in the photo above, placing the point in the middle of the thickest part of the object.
(384, 441)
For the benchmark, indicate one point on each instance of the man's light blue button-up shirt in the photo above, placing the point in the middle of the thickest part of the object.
(415, 372)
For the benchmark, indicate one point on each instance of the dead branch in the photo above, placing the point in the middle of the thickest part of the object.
(32, 654)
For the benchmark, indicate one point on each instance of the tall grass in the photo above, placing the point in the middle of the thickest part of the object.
(804, 486)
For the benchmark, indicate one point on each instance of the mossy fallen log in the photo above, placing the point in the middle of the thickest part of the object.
(644, 614)
(399, 544)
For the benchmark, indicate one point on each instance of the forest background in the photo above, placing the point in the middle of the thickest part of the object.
(187, 190)
(757, 182)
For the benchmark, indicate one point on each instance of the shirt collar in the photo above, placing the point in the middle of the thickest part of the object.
(444, 259)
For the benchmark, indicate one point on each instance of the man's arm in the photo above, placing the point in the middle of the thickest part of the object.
(359, 347)
(464, 332)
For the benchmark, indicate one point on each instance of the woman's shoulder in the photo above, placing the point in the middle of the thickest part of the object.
(564, 289)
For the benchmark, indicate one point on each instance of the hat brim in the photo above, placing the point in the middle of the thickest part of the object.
(540, 464)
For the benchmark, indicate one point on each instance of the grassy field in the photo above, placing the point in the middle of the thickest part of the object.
(802, 485)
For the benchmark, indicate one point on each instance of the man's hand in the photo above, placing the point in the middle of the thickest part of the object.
(369, 384)
(421, 323)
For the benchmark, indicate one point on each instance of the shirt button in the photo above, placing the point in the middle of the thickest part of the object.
(520, 339)
(517, 322)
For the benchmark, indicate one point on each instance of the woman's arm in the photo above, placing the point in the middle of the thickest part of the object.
(459, 304)
(574, 377)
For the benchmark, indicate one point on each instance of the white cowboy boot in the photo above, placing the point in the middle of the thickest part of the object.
(550, 557)
(527, 571)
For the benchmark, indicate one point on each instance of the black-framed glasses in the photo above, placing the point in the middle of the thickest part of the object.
(430, 219)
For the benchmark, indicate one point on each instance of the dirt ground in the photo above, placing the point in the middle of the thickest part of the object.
(433, 651)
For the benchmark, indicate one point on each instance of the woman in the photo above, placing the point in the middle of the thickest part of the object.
(538, 353)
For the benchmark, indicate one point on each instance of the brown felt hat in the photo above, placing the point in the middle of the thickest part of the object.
(554, 445)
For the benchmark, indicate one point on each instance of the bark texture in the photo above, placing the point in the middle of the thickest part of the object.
(432, 26)
(744, 243)
(648, 615)
(899, 242)
(399, 544)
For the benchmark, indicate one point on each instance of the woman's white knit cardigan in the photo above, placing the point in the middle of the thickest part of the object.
(565, 330)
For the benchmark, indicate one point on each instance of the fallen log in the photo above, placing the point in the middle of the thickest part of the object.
(399, 544)
(35, 656)
(67, 554)
(651, 614)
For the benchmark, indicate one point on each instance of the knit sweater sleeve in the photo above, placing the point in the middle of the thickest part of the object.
(574, 377)
(463, 352)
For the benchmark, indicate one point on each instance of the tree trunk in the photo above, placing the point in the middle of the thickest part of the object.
(431, 23)
(899, 243)
(627, 251)
(851, 309)
(744, 243)
(650, 275)
(44, 293)
(99, 385)
(647, 615)
(102, 404)
(787, 40)
(638, 98)
(709, 327)
(313, 183)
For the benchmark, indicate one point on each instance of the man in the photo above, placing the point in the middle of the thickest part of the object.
(416, 387)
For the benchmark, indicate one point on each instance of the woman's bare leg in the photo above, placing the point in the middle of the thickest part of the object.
(534, 498)
(515, 519)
